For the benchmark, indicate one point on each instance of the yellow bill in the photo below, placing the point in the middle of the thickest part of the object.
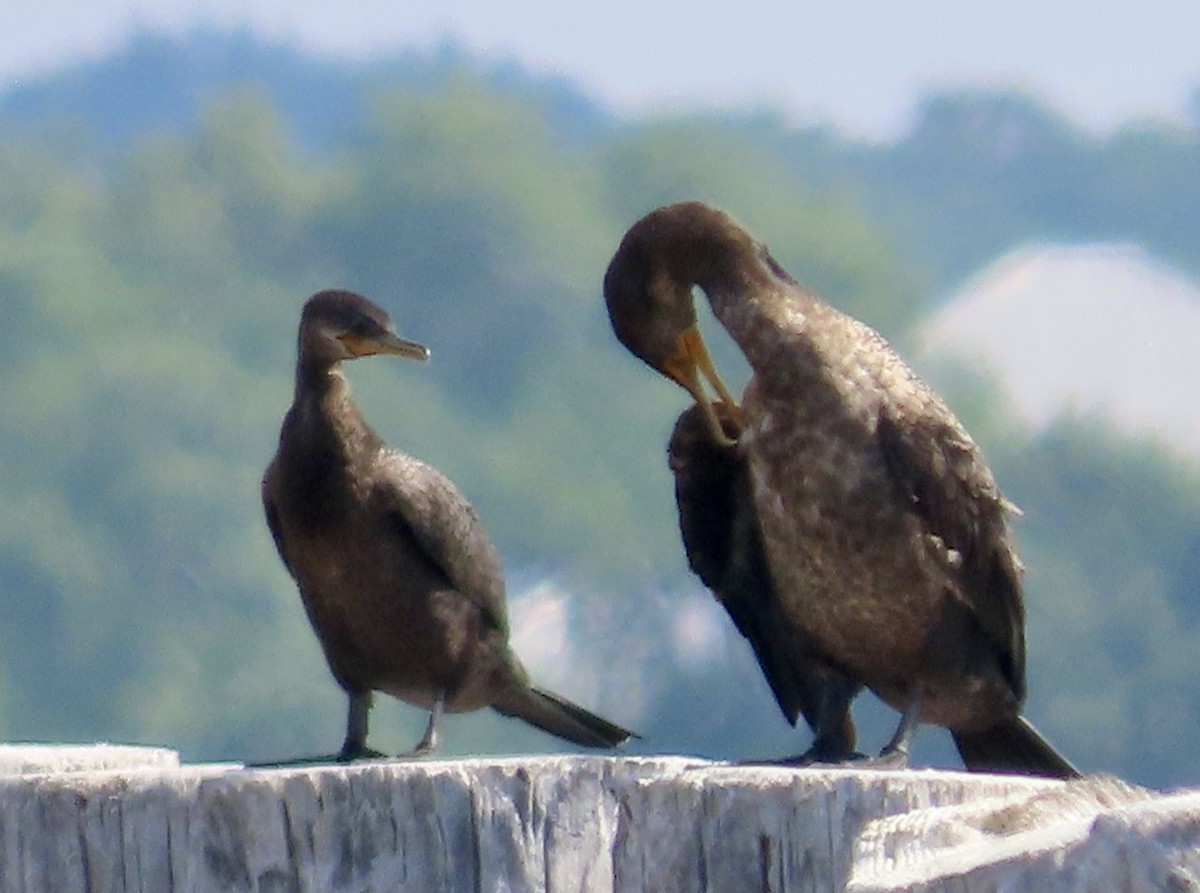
(686, 365)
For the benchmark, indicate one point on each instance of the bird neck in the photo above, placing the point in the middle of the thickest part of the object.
(752, 296)
(316, 377)
(324, 407)
(764, 310)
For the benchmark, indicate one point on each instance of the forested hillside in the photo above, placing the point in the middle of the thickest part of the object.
(164, 214)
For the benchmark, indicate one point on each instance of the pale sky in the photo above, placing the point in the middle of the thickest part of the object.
(858, 63)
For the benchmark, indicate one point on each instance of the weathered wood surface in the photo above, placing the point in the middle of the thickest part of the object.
(616, 825)
(21, 759)
(1097, 834)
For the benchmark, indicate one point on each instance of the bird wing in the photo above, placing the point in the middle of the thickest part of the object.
(719, 527)
(429, 508)
(272, 512)
(942, 474)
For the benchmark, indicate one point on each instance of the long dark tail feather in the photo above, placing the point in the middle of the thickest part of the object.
(561, 718)
(1014, 747)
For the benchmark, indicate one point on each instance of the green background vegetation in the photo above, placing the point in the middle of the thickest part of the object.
(165, 212)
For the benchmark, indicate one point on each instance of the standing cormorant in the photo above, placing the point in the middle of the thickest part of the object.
(399, 579)
(885, 540)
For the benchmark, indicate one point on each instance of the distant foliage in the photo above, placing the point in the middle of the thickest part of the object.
(151, 273)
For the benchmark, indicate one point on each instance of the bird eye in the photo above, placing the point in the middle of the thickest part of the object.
(365, 327)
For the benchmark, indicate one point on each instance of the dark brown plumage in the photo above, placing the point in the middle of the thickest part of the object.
(720, 533)
(882, 530)
(399, 579)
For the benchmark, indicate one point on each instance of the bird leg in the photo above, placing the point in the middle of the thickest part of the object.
(357, 717)
(353, 748)
(833, 732)
(833, 729)
(430, 740)
(833, 736)
(895, 752)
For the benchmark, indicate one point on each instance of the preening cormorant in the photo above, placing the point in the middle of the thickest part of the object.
(884, 538)
(399, 579)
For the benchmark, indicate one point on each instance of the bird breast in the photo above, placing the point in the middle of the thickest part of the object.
(844, 554)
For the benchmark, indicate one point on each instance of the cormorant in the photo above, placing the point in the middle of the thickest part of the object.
(399, 579)
(882, 530)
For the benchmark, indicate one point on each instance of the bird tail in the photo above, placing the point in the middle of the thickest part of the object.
(1013, 746)
(558, 716)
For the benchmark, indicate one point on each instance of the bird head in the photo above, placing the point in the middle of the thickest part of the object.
(341, 325)
(648, 293)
